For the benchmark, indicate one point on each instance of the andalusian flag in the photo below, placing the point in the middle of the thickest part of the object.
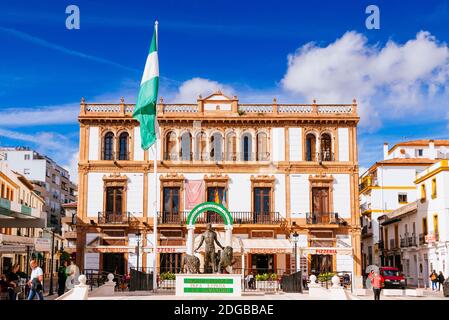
(145, 110)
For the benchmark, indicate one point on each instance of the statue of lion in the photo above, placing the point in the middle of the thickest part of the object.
(191, 264)
(226, 259)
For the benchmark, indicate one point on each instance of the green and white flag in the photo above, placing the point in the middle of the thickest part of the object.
(145, 110)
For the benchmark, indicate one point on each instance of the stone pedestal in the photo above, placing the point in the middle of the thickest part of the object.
(392, 292)
(106, 290)
(209, 285)
(414, 292)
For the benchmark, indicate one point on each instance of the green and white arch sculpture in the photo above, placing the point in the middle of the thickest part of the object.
(199, 209)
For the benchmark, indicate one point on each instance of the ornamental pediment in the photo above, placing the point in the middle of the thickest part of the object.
(217, 96)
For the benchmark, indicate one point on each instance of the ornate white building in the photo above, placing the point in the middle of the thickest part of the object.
(279, 169)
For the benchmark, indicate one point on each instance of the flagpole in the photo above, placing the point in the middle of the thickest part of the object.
(155, 188)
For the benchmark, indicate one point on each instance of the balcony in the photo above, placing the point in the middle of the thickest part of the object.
(368, 181)
(218, 157)
(116, 156)
(422, 240)
(322, 218)
(112, 218)
(239, 217)
(411, 241)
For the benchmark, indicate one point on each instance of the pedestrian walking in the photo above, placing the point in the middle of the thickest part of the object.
(434, 278)
(62, 278)
(440, 280)
(36, 281)
(13, 282)
(377, 282)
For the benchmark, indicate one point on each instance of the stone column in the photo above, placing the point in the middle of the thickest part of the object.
(190, 239)
(228, 235)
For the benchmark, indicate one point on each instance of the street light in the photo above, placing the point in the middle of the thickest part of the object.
(50, 291)
(138, 238)
(295, 240)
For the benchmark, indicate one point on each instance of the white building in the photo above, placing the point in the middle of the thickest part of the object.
(390, 184)
(50, 181)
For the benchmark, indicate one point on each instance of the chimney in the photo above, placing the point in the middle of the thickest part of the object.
(385, 150)
(431, 150)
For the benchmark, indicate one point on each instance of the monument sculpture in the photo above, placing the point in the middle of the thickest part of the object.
(210, 238)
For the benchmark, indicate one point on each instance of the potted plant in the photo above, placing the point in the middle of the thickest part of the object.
(325, 277)
(167, 279)
(267, 281)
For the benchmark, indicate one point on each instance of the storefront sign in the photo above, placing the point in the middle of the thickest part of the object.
(179, 249)
(268, 250)
(11, 239)
(326, 251)
(42, 244)
(110, 249)
(12, 249)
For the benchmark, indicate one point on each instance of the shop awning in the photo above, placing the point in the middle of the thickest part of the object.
(267, 246)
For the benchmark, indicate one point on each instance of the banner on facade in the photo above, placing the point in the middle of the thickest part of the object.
(195, 192)
(327, 251)
(42, 244)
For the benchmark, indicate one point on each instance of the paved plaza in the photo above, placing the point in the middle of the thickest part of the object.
(428, 295)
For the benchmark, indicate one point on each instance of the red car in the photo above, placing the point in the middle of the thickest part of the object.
(393, 277)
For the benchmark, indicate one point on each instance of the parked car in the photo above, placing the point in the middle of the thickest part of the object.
(393, 277)
(446, 287)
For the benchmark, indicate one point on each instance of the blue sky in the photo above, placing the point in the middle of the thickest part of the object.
(294, 50)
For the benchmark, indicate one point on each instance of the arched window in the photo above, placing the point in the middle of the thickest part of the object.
(123, 146)
(246, 147)
(326, 147)
(170, 146)
(186, 146)
(231, 147)
(216, 142)
(262, 152)
(310, 147)
(201, 143)
(108, 146)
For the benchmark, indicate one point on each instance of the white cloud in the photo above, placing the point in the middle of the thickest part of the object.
(44, 115)
(189, 90)
(73, 167)
(57, 146)
(393, 80)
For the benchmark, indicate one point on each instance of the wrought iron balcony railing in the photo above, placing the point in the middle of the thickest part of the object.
(422, 238)
(239, 217)
(322, 218)
(114, 217)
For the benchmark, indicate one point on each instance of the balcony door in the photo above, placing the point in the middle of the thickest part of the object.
(171, 205)
(262, 201)
(114, 204)
(320, 205)
(217, 195)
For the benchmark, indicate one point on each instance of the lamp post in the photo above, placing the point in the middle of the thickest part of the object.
(138, 238)
(50, 291)
(295, 240)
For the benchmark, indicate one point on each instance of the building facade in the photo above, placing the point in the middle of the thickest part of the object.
(21, 219)
(390, 184)
(417, 234)
(50, 181)
(277, 168)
